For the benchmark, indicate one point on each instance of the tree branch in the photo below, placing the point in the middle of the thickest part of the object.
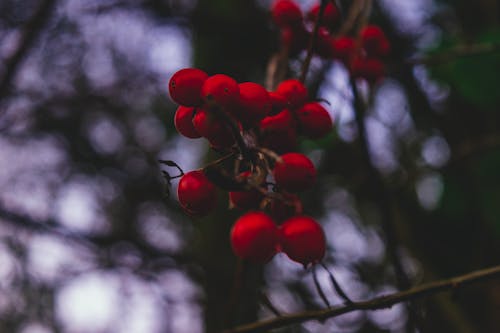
(30, 33)
(376, 303)
(456, 52)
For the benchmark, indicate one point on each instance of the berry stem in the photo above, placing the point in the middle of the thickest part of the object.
(312, 42)
(318, 287)
(336, 285)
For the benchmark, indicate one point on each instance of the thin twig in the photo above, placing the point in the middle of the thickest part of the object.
(318, 287)
(456, 52)
(376, 303)
(336, 285)
(29, 35)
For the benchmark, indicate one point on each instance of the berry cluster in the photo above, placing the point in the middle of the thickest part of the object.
(362, 53)
(258, 131)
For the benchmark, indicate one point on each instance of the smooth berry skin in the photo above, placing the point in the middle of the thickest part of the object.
(254, 105)
(314, 120)
(185, 86)
(294, 91)
(279, 132)
(294, 173)
(344, 49)
(286, 13)
(278, 102)
(222, 91)
(370, 69)
(331, 15)
(254, 237)
(302, 239)
(374, 41)
(249, 199)
(324, 44)
(197, 195)
(211, 127)
(183, 122)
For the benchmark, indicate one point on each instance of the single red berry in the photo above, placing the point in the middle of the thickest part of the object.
(286, 13)
(294, 91)
(302, 239)
(185, 86)
(221, 90)
(211, 127)
(281, 210)
(344, 49)
(374, 41)
(197, 195)
(183, 122)
(249, 199)
(295, 38)
(254, 237)
(370, 69)
(295, 172)
(278, 132)
(324, 44)
(314, 120)
(255, 103)
(331, 15)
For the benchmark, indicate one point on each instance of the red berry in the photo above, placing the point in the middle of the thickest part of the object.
(246, 199)
(286, 13)
(255, 103)
(295, 38)
(374, 41)
(324, 44)
(278, 132)
(294, 173)
(314, 120)
(211, 127)
(221, 90)
(183, 122)
(344, 48)
(331, 15)
(303, 240)
(197, 195)
(254, 237)
(185, 86)
(278, 102)
(281, 210)
(370, 69)
(294, 91)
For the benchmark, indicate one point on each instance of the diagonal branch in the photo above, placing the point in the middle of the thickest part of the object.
(380, 302)
(30, 33)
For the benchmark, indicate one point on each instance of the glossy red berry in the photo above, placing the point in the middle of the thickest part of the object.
(314, 120)
(278, 132)
(294, 91)
(370, 69)
(254, 237)
(211, 127)
(255, 103)
(197, 195)
(185, 86)
(249, 199)
(374, 41)
(183, 122)
(331, 15)
(286, 13)
(294, 173)
(344, 49)
(302, 239)
(221, 90)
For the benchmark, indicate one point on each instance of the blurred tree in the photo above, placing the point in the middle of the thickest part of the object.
(91, 242)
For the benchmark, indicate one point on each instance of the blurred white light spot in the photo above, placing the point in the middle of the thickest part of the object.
(88, 303)
(430, 190)
(105, 135)
(35, 328)
(170, 49)
(435, 151)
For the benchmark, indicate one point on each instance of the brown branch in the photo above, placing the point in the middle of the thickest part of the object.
(30, 33)
(456, 52)
(376, 303)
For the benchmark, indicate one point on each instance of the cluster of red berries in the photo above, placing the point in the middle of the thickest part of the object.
(362, 54)
(258, 125)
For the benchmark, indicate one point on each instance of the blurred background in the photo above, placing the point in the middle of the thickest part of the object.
(91, 242)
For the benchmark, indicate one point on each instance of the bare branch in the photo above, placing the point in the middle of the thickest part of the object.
(380, 302)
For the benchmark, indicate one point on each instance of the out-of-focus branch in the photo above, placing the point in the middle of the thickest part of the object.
(29, 34)
(381, 302)
(456, 52)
